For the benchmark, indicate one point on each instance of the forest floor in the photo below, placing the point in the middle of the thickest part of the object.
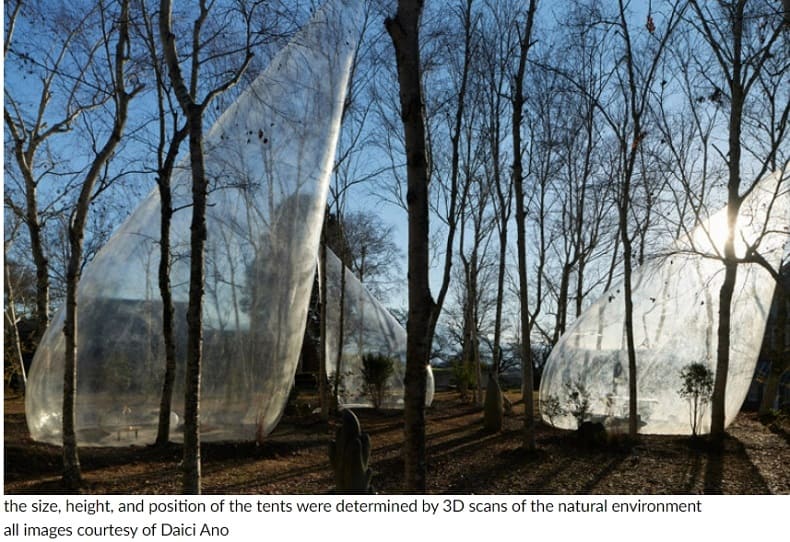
(462, 459)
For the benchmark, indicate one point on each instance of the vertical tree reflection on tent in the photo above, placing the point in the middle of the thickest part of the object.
(674, 322)
(268, 157)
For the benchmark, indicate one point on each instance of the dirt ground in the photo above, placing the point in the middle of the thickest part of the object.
(462, 459)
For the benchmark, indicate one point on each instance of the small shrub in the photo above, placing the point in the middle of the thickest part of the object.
(551, 407)
(376, 370)
(578, 398)
(697, 388)
(464, 377)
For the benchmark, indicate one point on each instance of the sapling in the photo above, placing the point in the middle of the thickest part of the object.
(578, 398)
(377, 370)
(697, 388)
(551, 407)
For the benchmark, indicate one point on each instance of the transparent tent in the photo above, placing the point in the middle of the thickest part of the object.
(367, 328)
(269, 159)
(675, 317)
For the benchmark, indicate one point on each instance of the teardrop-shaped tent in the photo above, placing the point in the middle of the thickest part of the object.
(676, 316)
(269, 159)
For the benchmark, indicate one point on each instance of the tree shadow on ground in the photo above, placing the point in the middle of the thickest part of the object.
(461, 458)
(721, 460)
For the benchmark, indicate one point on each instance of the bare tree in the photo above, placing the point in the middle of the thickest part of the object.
(687, 129)
(517, 103)
(32, 124)
(473, 264)
(496, 48)
(403, 28)
(11, 317)
(110, 24)
(193, 107)
(469, 161)
(446, 71)
(373, 255)
(450, 189)
(170, 137)
(625, 109)
(544, 159)
(568, 129)
(744, 39)
(636, 85)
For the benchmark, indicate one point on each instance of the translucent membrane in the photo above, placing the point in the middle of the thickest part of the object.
(676, 318)
(367, 328)
(269, 159)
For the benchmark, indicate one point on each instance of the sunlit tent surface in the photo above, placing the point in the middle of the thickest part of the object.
(676, 316)
(367, 328)
(268, 158)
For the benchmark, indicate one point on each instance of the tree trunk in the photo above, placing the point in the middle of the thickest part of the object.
(193, 111)
(562, 302)
(12, 320)
(526, 358)
(456, 203)
(771, 388)
(780, 356)
(474, 335)
(404, 31)
(623, 207)
(633, 420)
(718, 400)
(466, 341)
(72, 476)
(504, 199)
(466, 351)
(580, 285)
(191, 465)
(500, 295)
(168, 312)
(737, 98)
(517, 99)
(194, 119)
(24, 159)
(39, 258)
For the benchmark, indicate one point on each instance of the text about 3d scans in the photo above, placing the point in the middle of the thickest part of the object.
(237, 517)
